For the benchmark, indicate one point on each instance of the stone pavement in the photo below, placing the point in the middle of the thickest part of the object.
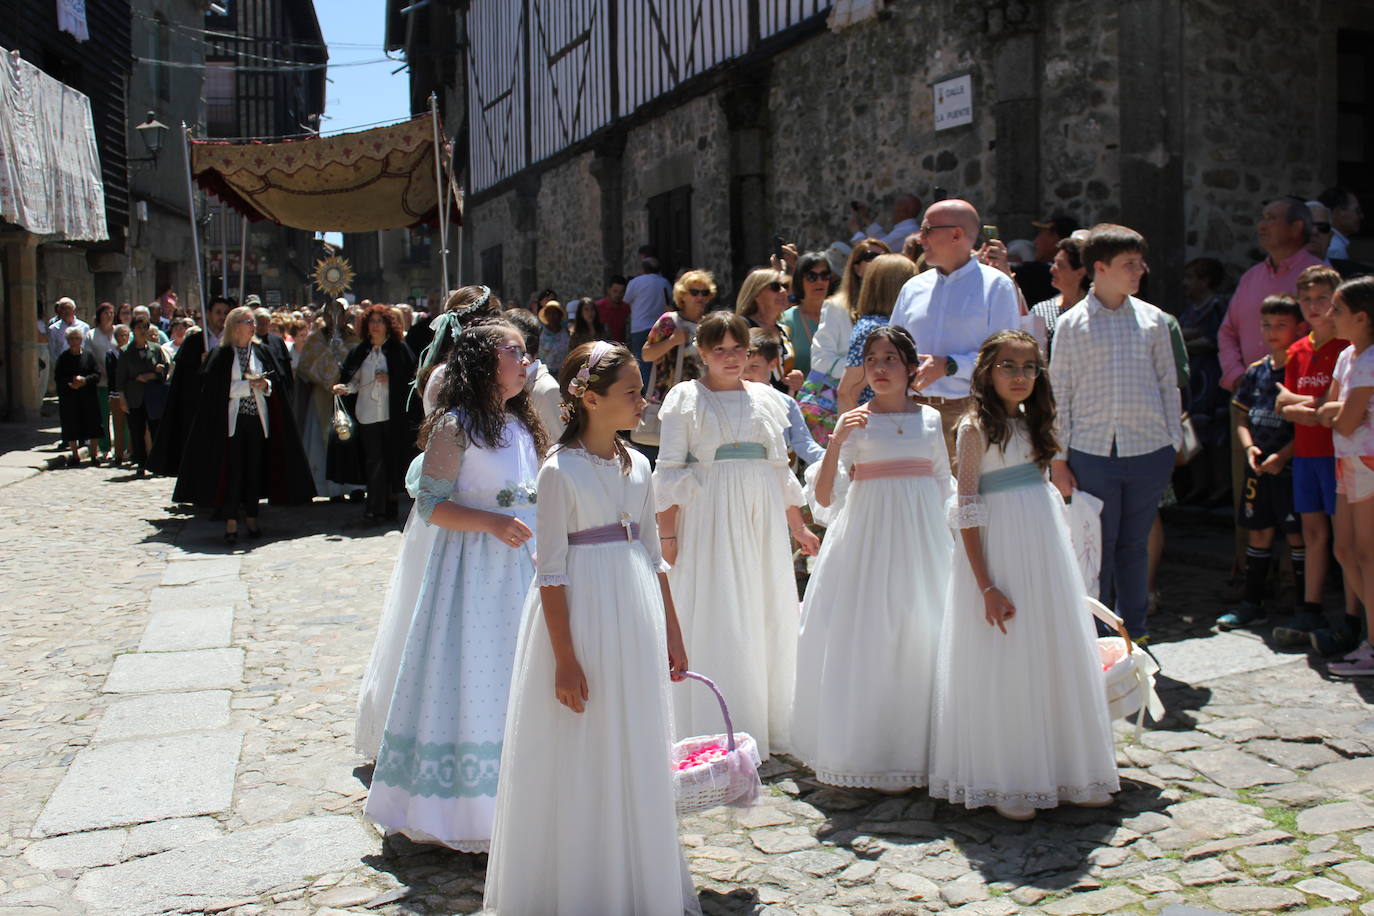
(175, 736)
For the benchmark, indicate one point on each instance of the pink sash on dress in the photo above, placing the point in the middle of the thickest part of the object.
(898, 467)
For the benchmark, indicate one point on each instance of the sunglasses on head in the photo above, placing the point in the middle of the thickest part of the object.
(868, 255)
(812, 276)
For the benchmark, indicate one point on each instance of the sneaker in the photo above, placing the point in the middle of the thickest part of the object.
(1243, 616)
(1364, 651)
(1336, 640)
(1361, 667)
(1297, 630)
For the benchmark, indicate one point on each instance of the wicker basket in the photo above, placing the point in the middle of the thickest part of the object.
(1129, 671)
(733, 780)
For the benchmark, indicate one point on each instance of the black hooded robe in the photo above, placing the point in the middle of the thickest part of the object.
(182, 399)
(286, 472)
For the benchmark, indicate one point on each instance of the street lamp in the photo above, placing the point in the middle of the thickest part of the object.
(151, 132)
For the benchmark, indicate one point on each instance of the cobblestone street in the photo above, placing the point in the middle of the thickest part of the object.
(176, 721)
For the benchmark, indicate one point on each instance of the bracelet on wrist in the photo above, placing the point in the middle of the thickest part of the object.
(988, 589)
(672, 537)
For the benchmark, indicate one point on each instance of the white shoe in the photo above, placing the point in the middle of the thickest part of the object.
(1016, 812)
(1364, 651)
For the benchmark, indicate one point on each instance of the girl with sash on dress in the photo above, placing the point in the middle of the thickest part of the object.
(871, 622)
(436, 773)
(585, 818)
(727, 500)
(1021, 719)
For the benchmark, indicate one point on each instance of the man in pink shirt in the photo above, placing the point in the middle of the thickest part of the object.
(1285, 225)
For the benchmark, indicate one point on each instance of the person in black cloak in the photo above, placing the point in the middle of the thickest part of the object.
(78, 405)
(376, 380)
(243, 444)
(184, 394)
(274, 344)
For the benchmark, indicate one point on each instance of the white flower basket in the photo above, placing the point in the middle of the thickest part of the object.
(733, 780)
(1129, 671)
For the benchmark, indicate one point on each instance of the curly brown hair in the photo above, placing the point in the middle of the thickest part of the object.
(393, 324)
(470, 387)
(1038, 410)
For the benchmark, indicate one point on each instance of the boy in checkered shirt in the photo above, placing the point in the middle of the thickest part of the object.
(1120, 413)
(1267, 497)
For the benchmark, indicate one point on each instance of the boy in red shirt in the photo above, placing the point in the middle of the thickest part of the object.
(1307, 377)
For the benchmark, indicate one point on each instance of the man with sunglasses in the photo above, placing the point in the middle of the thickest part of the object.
(952, 309)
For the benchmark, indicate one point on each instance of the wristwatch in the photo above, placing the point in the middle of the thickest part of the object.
(951, 367)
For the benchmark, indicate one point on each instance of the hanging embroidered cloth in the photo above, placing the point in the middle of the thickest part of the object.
(49, 168)
(356, 182)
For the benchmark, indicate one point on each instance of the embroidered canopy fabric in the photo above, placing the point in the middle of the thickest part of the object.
(49, 168)
(357, 182)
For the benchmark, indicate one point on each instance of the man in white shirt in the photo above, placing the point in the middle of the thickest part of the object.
(649, 296)
(952, 309)
(57, 330)
(906, 214)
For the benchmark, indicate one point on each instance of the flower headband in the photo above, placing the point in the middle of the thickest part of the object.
(578, 386)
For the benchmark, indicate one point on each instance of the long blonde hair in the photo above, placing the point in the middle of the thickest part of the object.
(851, 283)
(882, 282)
(745, 304)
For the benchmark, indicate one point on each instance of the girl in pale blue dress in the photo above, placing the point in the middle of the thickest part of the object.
(436, 773)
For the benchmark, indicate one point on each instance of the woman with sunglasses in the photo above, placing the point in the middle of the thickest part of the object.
(763, 297)
(813, 282)
(693, 294)
(830, 345)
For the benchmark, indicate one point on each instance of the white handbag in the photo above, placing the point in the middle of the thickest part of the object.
(649, 429)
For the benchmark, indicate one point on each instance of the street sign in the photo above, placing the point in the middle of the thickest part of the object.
(953, 102)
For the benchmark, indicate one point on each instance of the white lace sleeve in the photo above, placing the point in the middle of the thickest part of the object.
(551, 527)
(966, 508)
(675, 483)
(439, 465)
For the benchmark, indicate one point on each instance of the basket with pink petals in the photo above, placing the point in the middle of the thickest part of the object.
(714, 770)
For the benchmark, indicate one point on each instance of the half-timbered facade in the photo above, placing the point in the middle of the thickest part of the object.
(587, 128)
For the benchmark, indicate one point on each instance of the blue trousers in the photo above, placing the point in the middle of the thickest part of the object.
(637, 339)
(1130, 489)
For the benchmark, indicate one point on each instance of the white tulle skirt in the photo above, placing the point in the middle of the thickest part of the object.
(869, 634)
(585, 820)
(437, 766)
(1021, 717)
(379, 681)
(736, 597)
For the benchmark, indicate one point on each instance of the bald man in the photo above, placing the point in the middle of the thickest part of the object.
(906, 212)
(952, 309)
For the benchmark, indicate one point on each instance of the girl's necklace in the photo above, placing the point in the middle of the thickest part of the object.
(719, 409)
(896, 418)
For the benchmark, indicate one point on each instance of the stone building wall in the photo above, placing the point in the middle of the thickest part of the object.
(1177, 116)
(686, 146)
(568, 211)
(1080, 131)
(851, 118)
(1250, 125)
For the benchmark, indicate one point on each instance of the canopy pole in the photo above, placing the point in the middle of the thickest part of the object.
(439, 209)
(195, 230)
(243, 253)
(223, 250)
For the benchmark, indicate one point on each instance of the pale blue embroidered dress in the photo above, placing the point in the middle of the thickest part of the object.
(436, 772)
